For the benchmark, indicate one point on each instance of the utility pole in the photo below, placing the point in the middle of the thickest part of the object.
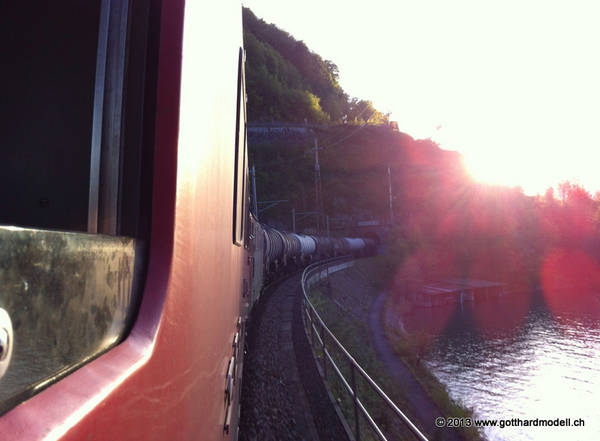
(389, 173)
(254, 200)
(318, 189)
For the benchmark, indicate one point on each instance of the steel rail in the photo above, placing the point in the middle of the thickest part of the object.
(319, 269)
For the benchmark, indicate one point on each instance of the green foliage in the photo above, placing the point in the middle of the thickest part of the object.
(363, 112)
(287, 82)
(275, 87)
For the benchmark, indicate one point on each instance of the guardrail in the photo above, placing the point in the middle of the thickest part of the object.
(318, 333)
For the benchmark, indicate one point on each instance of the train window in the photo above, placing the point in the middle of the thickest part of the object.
(76, 125)
(46, 108)
(239, 187)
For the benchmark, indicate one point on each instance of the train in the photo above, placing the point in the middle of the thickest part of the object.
(129, 258)
(282, 248)
(276, 253)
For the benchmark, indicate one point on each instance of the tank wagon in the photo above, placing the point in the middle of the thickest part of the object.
(282, 252)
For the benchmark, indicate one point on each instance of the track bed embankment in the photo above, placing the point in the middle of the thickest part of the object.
(283, 397)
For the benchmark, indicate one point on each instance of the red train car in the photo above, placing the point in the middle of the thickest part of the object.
(124, 261)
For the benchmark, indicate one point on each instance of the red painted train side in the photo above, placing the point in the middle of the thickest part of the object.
(177, 374)
(166, 380)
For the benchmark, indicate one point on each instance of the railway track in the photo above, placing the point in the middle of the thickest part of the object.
(283, 397)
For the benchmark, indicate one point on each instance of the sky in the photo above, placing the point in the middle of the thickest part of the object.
(512, 85)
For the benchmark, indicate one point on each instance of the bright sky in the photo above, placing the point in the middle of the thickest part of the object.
(514, 84)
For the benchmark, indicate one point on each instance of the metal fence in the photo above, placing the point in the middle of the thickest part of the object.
(320, 337)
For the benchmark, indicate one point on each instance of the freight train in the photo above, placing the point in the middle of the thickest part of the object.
(129, 261)
(275, 253)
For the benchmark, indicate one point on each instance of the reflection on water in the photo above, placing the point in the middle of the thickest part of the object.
(517, 357)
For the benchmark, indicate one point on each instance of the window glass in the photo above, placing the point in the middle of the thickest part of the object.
(240, 157)
(69, 296)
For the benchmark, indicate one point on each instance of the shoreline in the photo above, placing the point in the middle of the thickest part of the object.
(402, 349)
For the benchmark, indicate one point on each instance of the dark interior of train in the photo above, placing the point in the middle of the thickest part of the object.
(49, 63)
(53, 107)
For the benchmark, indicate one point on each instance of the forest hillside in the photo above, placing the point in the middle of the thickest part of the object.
(444, 223)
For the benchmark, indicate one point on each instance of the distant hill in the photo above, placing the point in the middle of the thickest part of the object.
(288, 82)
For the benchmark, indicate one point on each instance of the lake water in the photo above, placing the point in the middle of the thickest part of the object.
(519, 356)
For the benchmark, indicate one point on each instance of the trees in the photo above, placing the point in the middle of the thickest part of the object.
(363, 112)
(288, 82)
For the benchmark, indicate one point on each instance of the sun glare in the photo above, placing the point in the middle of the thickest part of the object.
(488, 169)
(533, 169)
(521, 106)
(502, 169)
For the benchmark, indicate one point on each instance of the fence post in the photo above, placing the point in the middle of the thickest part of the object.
(324, 349)
(312, 329)
(355, 392)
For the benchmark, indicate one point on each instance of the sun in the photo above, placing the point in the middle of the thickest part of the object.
(506, 169)
(485, 169)
(512, 158)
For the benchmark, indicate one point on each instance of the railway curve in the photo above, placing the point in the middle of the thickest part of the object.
(283, 397)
